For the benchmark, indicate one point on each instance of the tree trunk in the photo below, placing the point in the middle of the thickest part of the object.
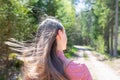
(106, 37)
(116, 30)
(111, 41)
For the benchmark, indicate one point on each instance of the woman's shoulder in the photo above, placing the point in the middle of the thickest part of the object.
(75, 66)
(77, 71)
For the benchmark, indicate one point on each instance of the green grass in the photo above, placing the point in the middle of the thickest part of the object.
(85, 56)
(105, 55)
(71, 52)
(89, 47)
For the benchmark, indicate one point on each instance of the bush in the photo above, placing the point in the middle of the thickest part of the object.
(71, 52)
(100, 44)
(118, 50)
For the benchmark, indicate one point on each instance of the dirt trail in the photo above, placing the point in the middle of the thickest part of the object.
(99, 70)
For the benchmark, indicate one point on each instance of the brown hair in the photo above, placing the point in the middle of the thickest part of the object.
(39, 56)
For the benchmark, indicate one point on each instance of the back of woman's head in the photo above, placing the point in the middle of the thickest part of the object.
(39, 57)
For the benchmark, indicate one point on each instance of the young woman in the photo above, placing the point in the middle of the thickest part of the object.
(44, 58)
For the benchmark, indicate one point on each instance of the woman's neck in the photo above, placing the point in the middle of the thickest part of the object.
(60, 54)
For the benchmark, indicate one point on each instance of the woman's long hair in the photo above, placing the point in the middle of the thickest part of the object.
(39, 56)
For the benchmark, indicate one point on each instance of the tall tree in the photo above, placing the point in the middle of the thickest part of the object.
(14, 22)
(116, 30)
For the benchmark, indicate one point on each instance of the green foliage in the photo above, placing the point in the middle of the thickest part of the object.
(100, 44)
(96, 21)
(14, 61)
(15, 22)
(61, 9)
(22, 26)
(12, 55)
(65, 13)
(2, 77)
(71, 52)
(81, 29)
(19, 19)
(44, 7)
(118, 50)
(102, 11)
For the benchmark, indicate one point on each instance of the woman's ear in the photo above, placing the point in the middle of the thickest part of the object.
(59, 34)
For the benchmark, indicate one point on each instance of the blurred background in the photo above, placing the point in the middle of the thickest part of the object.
(92, 28)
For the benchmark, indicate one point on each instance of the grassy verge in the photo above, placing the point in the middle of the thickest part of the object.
(101, 56)
(71, 52)
(85, 56)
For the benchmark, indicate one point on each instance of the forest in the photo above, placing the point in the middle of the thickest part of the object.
(95, 24)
